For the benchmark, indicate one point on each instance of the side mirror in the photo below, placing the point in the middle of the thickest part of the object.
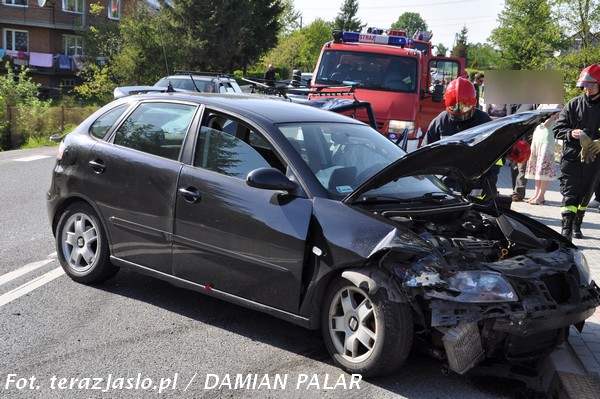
(437, 95)
(56, 138)
(270, 179)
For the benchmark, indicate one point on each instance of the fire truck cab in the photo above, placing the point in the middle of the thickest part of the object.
(398, 75)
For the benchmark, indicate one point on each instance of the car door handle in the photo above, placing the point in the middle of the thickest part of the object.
(97, 165)
(190, 194)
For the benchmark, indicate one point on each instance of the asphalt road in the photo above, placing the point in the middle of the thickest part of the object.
(137, 337)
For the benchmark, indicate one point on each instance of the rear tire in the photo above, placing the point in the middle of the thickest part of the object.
(365, 334)
(82, 246)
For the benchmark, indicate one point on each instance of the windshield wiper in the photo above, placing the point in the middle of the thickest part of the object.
(372, 85)
(435, 197)
(330, 81)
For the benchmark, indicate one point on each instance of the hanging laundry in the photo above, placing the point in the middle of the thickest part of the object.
(40, 59)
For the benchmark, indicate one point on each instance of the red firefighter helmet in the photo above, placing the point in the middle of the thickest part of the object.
(590, 74)
(460, 99)
(519, 152)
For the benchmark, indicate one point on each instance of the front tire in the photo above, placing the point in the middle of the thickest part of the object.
(82, 246)
(365, 334)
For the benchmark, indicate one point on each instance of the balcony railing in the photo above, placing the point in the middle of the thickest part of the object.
(48, 17)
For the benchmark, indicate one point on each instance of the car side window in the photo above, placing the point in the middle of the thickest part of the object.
(156, 128)
(232, 148)
(226, 87)
(103, 124)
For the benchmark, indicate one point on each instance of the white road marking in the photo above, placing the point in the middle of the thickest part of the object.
(30, 286)
(32, 158)
(23, 270)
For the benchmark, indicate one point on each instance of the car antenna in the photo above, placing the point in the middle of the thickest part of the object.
(170, 88)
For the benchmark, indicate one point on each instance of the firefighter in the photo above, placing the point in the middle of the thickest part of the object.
(579, 122)
(461, 114)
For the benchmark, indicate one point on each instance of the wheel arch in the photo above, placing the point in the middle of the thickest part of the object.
(372, 280)
(369, 278)
(67, 202)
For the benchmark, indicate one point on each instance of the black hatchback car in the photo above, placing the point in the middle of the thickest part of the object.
(316, 218)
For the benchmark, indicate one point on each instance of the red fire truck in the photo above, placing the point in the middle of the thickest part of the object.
(398, 75)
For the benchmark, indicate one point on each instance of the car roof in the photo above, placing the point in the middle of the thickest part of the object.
(252, 106)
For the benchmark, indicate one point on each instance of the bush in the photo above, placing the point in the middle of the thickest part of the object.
(31, 127)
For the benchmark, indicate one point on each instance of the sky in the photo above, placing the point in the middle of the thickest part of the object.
(444, 17)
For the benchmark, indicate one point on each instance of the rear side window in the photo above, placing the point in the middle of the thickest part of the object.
(229, 87)
(106, 121)
(156, 128)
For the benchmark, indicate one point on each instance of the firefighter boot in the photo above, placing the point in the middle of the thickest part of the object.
(567, 225)
(577, 224)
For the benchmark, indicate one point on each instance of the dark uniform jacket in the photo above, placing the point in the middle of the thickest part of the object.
(579, 113)
(578, 180)
(443, 126)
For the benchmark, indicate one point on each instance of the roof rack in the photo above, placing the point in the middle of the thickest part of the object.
(217, 74)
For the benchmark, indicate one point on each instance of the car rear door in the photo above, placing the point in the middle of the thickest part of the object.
(133, 177)
(233, 238)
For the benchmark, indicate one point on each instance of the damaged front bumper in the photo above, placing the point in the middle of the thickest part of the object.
(523, 331)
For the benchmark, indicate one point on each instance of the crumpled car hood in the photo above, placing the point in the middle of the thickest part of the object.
(463, 156)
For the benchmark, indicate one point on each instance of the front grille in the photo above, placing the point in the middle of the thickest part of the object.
(557, 287)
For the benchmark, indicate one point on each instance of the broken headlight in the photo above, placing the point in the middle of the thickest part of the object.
(477, 286)
(583, 267)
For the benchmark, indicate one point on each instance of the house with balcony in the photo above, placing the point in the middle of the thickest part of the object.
(46, 36)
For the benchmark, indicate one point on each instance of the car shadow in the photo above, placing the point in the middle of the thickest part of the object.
(217, 313)
(272, 331)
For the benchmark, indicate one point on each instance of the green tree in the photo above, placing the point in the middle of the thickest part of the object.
(528, 35)
(572, 63)
(290, 19)
(301, 48)
(461, 48)
(216, 35)
(18, 89)
(441, 50)
(346, 19)
(580, 17)
(98, 83)
(411, 22)
(144, 56)
(482, 56)
(103, 42)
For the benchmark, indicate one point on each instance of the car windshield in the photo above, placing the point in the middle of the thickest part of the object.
(368, 70)
(344, 156)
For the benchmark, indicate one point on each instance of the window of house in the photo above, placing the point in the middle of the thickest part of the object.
(114, 9)
(16, 40)
(67, 83)
(73, 6)
(72, 45)
(15, 2)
